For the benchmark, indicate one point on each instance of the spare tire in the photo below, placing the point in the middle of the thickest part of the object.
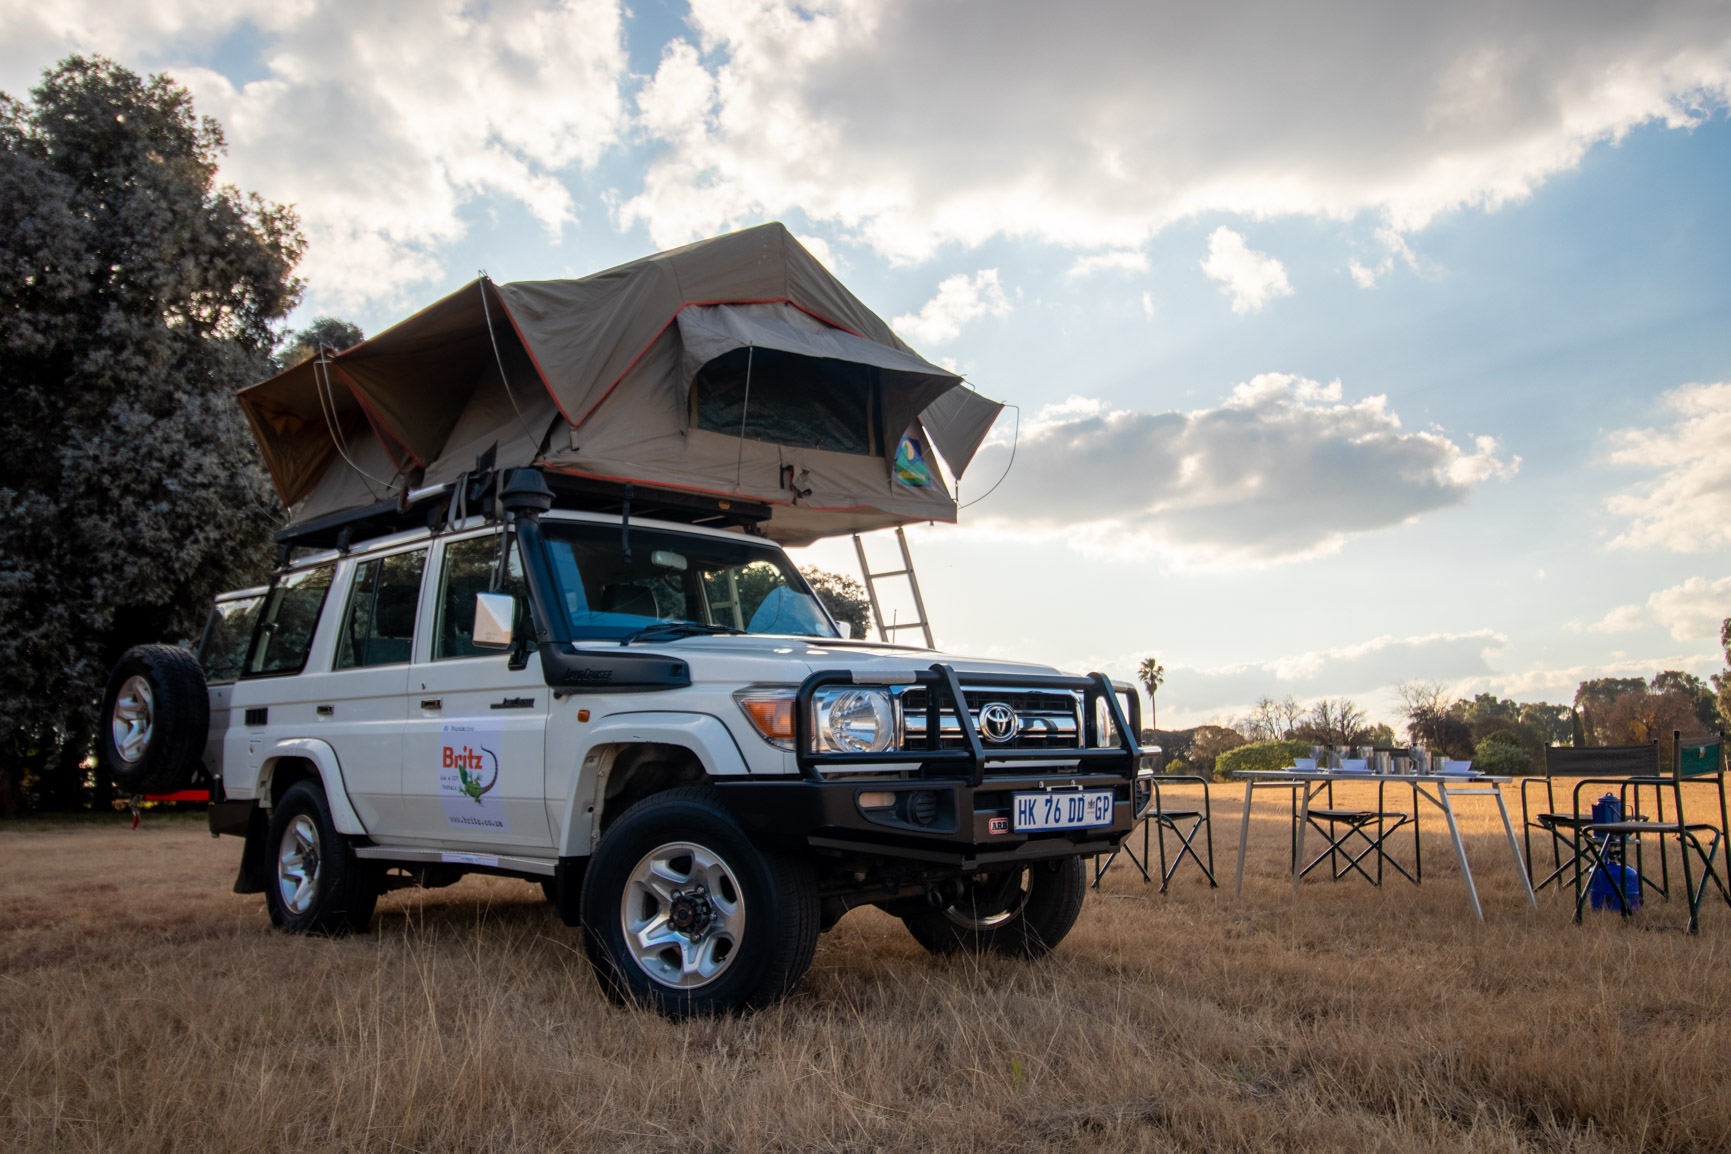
(155, 718)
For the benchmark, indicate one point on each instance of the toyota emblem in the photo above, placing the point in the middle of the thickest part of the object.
(999, 723)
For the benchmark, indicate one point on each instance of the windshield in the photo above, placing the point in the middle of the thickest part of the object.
(739, 585)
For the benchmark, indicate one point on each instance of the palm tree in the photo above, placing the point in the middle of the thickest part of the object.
(1151, 673)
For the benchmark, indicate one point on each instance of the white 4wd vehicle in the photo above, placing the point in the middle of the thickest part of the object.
(657, 721)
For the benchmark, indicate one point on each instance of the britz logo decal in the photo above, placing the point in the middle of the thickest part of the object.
(998, 825)
(470, 752)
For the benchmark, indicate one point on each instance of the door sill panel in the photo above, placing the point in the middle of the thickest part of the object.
(514, 863)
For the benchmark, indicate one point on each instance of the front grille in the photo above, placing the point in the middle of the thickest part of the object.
(1046, 719)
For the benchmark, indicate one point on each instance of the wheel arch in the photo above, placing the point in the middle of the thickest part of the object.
(303, 758)
(635, 756)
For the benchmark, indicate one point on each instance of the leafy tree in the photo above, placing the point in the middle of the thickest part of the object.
(135, 296)
(1722, 680)
(1503, 753)
(1554, 724)
(325, 332)
(1702, 699)
(1207, 743)
(1594, 698)
(845, 599)
(1259, 755)
(1441, 730)
(1639, 717)
(1152, 675)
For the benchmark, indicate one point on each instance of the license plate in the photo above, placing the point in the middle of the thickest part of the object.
(1079, 810)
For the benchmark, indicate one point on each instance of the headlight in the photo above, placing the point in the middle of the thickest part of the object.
(855, 721)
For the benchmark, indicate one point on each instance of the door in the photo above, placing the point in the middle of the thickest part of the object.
(473, 757)
(361, 700)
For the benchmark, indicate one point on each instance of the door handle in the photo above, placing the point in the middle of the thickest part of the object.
(326, 710)
(432, 703)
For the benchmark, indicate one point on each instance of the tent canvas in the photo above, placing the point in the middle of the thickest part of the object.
(733, 367)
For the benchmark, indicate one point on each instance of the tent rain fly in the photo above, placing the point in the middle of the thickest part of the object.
(736, 367)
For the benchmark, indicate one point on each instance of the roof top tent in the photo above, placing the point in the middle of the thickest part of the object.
(734, 380)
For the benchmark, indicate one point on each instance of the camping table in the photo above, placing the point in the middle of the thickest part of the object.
(1437, 788)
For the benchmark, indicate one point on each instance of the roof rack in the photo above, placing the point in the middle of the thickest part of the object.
(428, 508)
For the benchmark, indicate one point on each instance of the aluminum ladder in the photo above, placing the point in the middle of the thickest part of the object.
(907, 570)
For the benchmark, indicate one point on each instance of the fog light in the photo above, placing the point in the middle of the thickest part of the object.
(922, 807)
(877, 800)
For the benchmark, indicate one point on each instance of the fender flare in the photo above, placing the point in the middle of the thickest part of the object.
(710, 741)
(330, 771)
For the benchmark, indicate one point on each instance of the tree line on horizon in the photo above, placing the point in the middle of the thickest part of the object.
(1500, 735)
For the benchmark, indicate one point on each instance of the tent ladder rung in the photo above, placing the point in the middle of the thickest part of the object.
(907, 570)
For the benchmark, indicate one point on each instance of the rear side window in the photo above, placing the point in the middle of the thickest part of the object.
(288, 620)
(379, 626)
(468, 570)
(226, 635)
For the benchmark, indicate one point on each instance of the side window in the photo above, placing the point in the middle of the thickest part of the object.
(222, 652)
(379, 625)
(468, 570)
(286, 624)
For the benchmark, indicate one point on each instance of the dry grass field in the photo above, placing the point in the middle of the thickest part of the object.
(143, 1007)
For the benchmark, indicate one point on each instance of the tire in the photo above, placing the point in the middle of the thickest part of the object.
(337, 892)
(1020, 913)
(679, 856)
(155, 719)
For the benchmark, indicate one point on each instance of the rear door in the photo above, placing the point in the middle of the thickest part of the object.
(475, 750)
(361, 694)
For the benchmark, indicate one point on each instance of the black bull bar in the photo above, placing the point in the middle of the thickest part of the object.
(944, 685)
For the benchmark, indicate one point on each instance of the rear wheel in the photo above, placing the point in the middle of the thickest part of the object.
(316, 884)
(1023, 912)
(682, 912)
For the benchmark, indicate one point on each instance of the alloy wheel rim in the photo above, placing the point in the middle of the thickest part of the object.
(683, 915)
(297, 864)
(133, 719)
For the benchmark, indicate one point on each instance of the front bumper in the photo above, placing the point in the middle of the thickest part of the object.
(970, 829)
(966, 820)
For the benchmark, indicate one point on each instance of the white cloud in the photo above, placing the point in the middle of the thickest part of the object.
(1249, 277)
(1693, 609)
(1620, 620)
(1127, 260)
(1148, 305)
(1687, 508)
(1283, 469)
(899, 122)
(380, 122)
(960, 299)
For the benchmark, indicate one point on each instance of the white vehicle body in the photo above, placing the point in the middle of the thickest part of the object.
(376, 736)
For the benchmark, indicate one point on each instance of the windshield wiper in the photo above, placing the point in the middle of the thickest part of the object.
(669, 630)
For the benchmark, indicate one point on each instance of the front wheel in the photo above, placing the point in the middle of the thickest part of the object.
(683, 913)
(316, 885)
(1022, 912)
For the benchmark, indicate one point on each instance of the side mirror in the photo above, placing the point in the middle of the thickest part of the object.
(846, 630)
(495, 614)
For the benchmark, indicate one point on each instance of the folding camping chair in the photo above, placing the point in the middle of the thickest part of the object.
(1185, 823)
(1598, 839)
(1617, 765)
(1355, 834)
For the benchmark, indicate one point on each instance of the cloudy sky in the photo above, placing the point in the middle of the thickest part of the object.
(1350, 343)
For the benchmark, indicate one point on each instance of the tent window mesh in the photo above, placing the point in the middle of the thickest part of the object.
(802, 402)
